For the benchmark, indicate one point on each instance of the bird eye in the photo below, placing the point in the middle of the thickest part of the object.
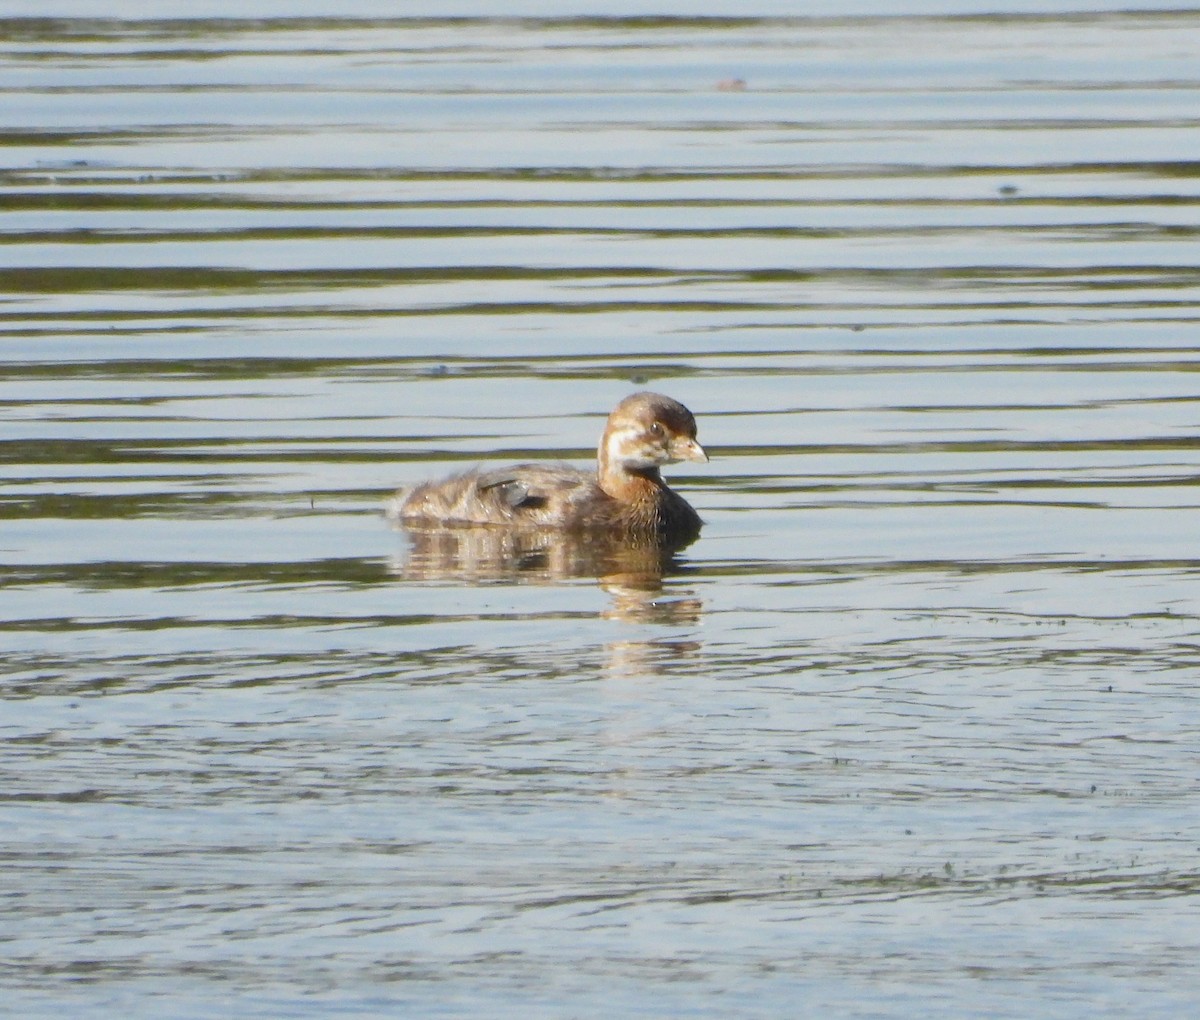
(656, 430)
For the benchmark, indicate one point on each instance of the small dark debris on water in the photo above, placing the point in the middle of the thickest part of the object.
(1008, 189)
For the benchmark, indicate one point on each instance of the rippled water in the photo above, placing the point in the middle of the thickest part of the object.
(912, 727)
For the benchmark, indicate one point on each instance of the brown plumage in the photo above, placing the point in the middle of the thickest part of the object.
(625, 497)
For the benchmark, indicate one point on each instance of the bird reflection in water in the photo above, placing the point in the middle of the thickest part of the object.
(631, 572)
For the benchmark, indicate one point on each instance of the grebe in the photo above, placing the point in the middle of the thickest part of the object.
(625, 498)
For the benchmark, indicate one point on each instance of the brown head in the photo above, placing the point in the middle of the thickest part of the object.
(645, 431)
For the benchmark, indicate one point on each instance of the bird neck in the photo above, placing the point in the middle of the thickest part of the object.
(626, 484)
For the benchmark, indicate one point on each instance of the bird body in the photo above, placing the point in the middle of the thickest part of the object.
(624, 497)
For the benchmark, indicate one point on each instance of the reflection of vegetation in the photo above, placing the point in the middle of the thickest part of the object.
(115, 575)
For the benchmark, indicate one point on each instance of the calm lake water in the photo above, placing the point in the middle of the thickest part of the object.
(912, 729)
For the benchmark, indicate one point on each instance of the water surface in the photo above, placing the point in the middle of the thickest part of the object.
(911, 727)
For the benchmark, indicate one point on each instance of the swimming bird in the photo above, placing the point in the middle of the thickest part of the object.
(625, 498)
